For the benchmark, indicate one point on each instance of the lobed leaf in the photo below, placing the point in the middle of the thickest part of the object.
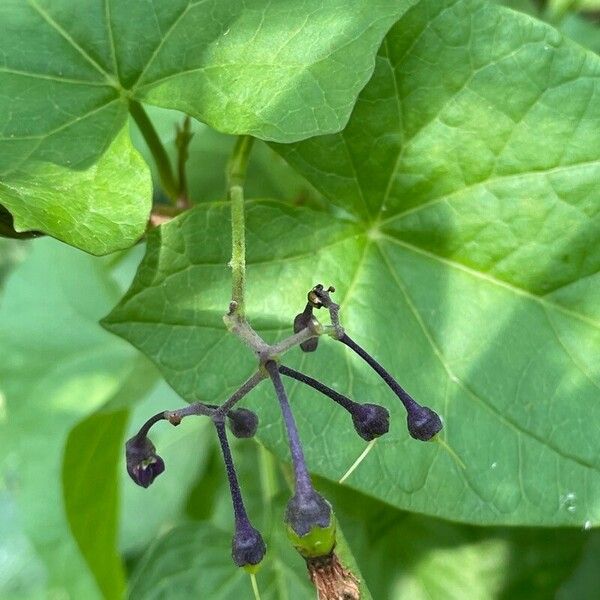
(470, 271)
(69, 69)
(100, 209)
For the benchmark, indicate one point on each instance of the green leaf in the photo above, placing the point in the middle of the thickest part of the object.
(283, 71)
(92, 453)
(57, 368)
(99, 209)
(195, 561)
(406, 556)
(468, 267)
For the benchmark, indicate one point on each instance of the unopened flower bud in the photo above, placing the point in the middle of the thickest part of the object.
(243, 423)
(370, 421)
(423, 423)
(310, 524)
(143, 464)
(248, 547)
(302, 321)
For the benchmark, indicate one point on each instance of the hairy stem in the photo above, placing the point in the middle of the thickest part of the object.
(302, 477)
(236, 174)
(163, 164)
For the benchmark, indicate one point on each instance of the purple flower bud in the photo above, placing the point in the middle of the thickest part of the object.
(307, 510)
(370, 421)
(247, 547)
(423, 423)
(302, 321)
(243, 423)
(143, 464)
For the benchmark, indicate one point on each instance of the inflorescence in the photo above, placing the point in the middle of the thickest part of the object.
(308, 517)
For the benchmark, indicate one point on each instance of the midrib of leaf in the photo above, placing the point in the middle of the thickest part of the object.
(503, 418)
(158, 48)
(488, 182)
(497, 282)
(53, 78)
(74, 44)
(67, 124)
(111, 38)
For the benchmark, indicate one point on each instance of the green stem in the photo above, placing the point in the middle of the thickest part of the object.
(163, 164)
(236, 174)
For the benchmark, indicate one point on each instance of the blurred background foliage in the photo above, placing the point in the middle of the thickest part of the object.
(91, 391)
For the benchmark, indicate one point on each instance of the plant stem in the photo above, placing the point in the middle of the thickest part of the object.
(236, 174)
(182, 141)
(406, 399)
(239, 510)
(254, 586)
(246, 387)
(163, 164)
(294, 340)
(320, 387)
(145, 428)
(301, 475)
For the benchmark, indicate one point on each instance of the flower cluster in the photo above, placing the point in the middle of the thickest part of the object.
(308, 516)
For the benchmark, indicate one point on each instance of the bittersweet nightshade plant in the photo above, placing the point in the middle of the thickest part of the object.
(457, 221)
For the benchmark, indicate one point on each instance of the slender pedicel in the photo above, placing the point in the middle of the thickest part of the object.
(370, 420)
(246, 387)
(423, 422)
(247, 546)
(309, 517)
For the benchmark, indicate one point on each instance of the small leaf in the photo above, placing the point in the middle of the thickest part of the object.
(92, 454)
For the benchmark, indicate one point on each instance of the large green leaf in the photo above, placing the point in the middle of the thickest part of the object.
(99, 209)
(469, 268)
(281, 71)
(412, 557)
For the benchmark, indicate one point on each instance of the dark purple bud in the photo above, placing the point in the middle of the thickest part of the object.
(307, 510)
(143, 464)
(423, 423)
(247, 547)
(302, 321)
(370, 421)
(243, 423)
